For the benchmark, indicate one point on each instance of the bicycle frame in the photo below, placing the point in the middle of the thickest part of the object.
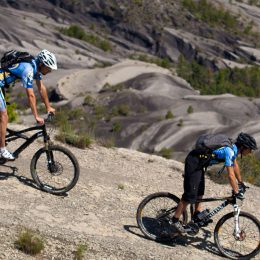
(227, 201)
(14, 135)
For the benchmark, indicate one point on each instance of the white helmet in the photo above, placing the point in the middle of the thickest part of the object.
(48, 59)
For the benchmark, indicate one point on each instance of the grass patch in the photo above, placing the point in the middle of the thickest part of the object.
(121, 110)
(121, 186)
(164, 63)
(11, 109)
(80, 252)
(78, 140)
(114, 88)
(190, 110)
(180, 123)
(166, 153)
(116, 127)
(107, 142)
(29, 242)
(211, 14)
(89, 101)
(100, 111)
(78, 32)
(237, 81)
(250, 167)
(169, 115)
(70, 131)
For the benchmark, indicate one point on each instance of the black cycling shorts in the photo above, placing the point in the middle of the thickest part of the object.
(194, 178)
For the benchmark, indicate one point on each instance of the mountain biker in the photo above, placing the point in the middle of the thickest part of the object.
(42, 64)
(194, 178)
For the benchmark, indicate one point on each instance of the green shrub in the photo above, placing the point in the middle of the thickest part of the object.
(11, 111)
(89, 101)
(121, 186)
(100, 111)
(107, 142)
(75, 114)
(180, 123)
(123, 110)
(77, 32)
(78, 140)
(254, 2)
(114, 88)
(120, 110)
(190, 110)
(237, 81)
(138, 2)
(169, 115)
(80, 252)
(116, 127)
(165, 63)
(166, 153)
(29, 242)
(118, 87)
(207, 12)
(250, 167)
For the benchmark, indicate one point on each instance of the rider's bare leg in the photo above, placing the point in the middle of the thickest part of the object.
(198, 206)
(3, 126)
(181, 208)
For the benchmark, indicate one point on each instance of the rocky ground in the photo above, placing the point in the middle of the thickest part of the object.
(100, 210)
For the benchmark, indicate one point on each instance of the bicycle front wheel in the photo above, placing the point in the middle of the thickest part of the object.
(246, 245)
(55, 170)
(154, 216)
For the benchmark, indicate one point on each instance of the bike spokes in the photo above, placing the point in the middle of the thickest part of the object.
(154, 216)
(55, 170)
(240, 242)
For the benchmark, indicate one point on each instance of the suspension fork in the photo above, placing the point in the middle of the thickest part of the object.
(236, 221)
(49, 153)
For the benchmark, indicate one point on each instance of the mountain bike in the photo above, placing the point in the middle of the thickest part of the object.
(54, 168)
(236, 234)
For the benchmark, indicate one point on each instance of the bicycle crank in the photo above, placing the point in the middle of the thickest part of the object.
(192, 229)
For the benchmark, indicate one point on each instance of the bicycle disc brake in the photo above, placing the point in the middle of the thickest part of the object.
(241, 236)
(55, 168)
(193, 229)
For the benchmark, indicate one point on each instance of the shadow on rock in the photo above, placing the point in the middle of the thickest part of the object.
(24, 180)
(201, 243)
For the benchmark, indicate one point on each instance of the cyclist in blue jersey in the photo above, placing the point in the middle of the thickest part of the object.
(194, 178)
(26, 72)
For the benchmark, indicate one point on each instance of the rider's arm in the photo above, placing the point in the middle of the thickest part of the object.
(230, 165)
(237, 171)
(32, 102)
(44, 96)
(232, 178)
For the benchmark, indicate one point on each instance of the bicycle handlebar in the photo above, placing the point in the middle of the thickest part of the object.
(50, 117)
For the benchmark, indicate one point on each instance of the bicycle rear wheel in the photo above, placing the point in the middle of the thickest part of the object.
(244, 247)
(55, 170)
(154, 215)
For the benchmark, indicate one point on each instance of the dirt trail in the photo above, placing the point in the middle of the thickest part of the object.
(96, 212)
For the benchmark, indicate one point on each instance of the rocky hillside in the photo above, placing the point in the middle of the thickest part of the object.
(120, 62)
(100, 210)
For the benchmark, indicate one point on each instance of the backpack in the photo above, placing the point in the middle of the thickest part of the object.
(10, 58)
(210, 142)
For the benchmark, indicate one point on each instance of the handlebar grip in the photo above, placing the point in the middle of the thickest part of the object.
(50, 117)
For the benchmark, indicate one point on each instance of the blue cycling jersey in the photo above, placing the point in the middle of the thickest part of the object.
(225, 154)
(24, 71)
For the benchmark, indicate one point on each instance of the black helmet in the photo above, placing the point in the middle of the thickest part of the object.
(247, 141)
